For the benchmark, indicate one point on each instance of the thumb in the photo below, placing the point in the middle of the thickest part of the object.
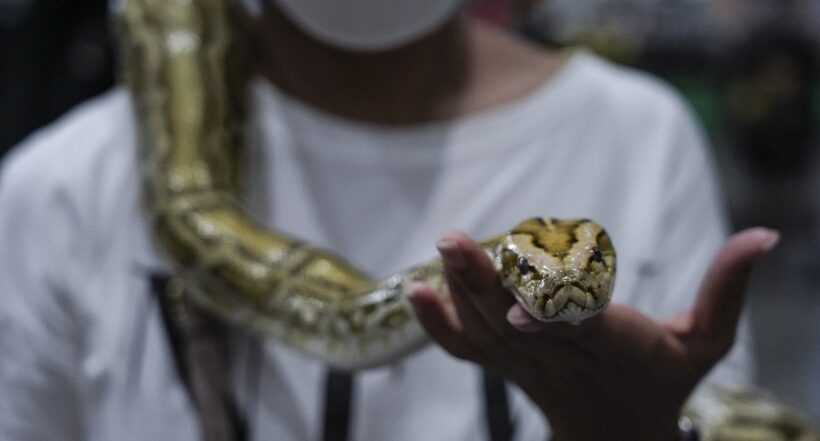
(720, 300)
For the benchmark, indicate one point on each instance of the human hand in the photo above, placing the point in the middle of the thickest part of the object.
(619, 375)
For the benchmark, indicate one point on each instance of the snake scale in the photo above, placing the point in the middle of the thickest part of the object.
(185, 63)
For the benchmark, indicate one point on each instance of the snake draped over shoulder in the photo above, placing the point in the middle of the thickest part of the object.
(186, 64)
(178, 54)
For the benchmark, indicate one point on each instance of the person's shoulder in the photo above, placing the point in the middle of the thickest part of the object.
(75, 152)
(78, 167)
(628, 95)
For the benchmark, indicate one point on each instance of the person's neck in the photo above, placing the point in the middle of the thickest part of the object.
(417, 83)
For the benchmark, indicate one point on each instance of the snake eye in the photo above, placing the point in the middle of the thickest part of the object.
(524, 267)
(596, 255)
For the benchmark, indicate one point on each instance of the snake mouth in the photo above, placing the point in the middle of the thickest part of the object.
(553, 294)
(569, 301)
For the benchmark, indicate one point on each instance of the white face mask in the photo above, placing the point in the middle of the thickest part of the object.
(366, 25)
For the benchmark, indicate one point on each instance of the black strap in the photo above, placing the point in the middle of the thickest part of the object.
(496, 407)
(179, 347)
(339, 386)
(338, 398)
(159, 286)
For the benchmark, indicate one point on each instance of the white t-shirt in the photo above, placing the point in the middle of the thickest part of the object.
(83, 353)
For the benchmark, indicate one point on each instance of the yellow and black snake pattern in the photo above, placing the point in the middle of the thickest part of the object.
(185, 63)
(257, 278)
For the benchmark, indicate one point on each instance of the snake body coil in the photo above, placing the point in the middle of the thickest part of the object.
(177, 55)
(184, 65)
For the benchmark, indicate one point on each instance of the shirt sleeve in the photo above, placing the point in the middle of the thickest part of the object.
(39, 336)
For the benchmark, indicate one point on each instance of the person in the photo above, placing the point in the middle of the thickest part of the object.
(373, 133)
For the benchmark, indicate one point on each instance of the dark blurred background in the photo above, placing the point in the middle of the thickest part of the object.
(749, 68)
(53, 54)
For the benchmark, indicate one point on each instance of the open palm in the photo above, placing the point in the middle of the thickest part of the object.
(618, 375)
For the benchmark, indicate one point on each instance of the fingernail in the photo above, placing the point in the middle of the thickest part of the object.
(772, 241)
(523, 321)
(452, 253)
(518, 317)
(413, 290)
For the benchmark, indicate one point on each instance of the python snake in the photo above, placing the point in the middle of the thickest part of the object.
(185, 63)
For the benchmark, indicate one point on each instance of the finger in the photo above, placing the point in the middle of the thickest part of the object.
(466, 284)
(720, 298)
(680, 323)
(473, 277)
(440, 324)
(468, 261)
(523, 321)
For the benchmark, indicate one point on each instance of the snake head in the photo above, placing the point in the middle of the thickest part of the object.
(558, 270)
